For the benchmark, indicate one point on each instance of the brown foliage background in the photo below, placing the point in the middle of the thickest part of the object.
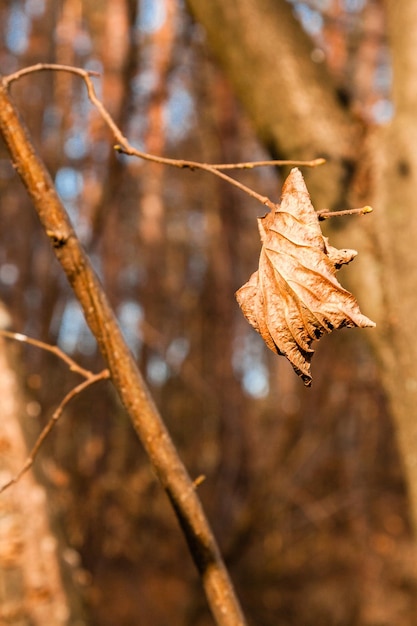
(303, 487)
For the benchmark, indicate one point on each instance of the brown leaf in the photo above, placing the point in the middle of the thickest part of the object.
(294, 297)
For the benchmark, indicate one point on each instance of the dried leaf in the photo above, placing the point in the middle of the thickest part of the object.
(294, 298)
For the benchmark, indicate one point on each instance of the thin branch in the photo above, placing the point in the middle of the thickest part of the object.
(124, 146)
(193, 165)
(94, 378)
(325, 215)
(38, 67)
(277, 162)
(73, 366)
(126, 377)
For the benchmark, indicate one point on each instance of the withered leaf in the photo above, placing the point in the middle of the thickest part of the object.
(294, 298)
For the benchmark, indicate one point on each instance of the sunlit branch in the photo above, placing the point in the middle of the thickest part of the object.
(125, 147)
(74, 367)
(126, 377)
(193, 165)
(325, 215)
(279, 162)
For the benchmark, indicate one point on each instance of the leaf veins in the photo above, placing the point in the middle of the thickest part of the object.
(294, 297)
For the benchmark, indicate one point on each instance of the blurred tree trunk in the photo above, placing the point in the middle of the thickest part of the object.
(32, 590)
(393, 167)
(295, 108)
(293, 102)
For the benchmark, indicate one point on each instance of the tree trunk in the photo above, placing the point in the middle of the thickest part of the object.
(293, 102)
(394, 172)
(31, 586)
(295, 109)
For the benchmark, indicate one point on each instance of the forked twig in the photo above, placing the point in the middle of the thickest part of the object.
(125, 147)
(92, 378)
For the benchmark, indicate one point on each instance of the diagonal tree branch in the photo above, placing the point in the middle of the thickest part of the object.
(125, 375)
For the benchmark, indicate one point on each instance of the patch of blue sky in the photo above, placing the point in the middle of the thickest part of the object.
(382, 111)
(130, 315)
(74, 334)
(255, 381)
(197, 226)
(248, 362)
(383, 76)
(311, 20)
(177, 352)
(76, 146)
(151, 15)
(157, 371)
(69, 183)
(94, 65)
(82, 44)
(178, 113)
(144, 82)
(17, 29)
(354, 6)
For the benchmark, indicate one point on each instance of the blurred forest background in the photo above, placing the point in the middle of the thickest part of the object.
(305, 489)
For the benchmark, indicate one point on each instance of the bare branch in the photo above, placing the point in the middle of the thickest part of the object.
(278, 162)
(74, 367)
(325, 215)
(93, 378)
(123, 369)
(125, 147)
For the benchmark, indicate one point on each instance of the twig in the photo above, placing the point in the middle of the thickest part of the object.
(325, 215)
(124, 146)
(93, 378)
(280, 162)
(90, 377)
(194, 165)
(74, 367)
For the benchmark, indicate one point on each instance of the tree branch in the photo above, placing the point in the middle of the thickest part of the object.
(325, 215)
(124, 146)
(73, 365)
(91, 379)
(292, 101)
(125, 375)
